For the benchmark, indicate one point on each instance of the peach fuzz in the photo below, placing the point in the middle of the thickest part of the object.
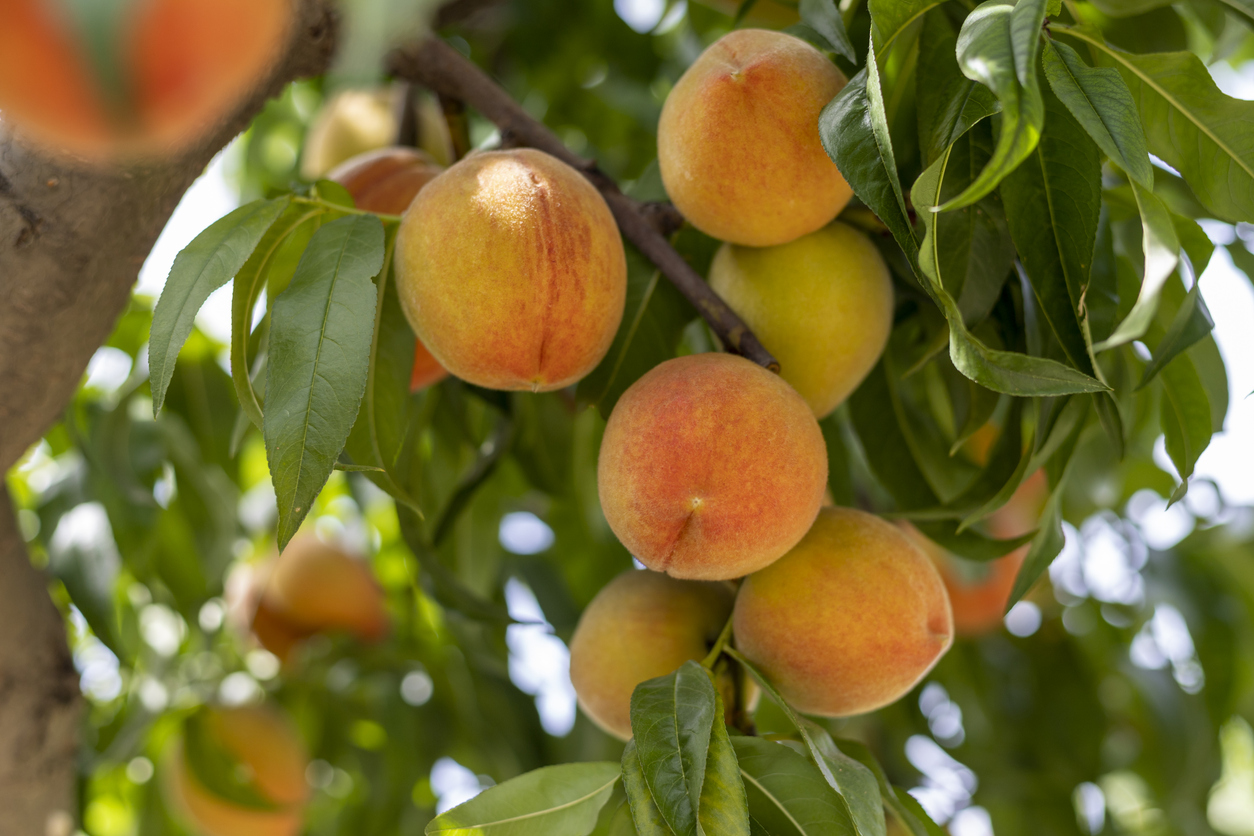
(848, 621)
(264, 742)
(511, 270)
(738, 140)
(711, 467)
(822, 304)
(386, 180)
(641, 625)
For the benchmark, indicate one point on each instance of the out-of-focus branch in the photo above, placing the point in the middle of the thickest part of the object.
(443, 69)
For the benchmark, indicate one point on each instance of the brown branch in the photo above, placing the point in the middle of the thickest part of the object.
(443, 69)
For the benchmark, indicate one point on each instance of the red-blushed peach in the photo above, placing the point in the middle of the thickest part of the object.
(318, 587)
(738, 140)
(641, 625)
(264, 743)
(511, 270)
(822, 304)
(386, 180)
(711, 467)
(848, 621)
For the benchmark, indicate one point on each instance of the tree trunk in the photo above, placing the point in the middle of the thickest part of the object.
(72, 240)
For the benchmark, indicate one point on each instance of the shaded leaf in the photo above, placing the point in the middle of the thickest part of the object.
(1191, 323)
(442, 584)
(1162, 253)
(208, 262)
(561, 800)
(891, 17)
(787, 794)
(949, 103)
(319, 356)
(1100, 101)
(1186, 418)
(824, 17)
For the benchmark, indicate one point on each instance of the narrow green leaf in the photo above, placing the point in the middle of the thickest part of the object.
(969, 543)
(857, 783)
(854, 130)
(1186, 418)
(948, 102)
(1190, 124)
(914, 816)
(787, 794)
(724, 810)
(1053, 202)
(1100, 101)
(824, 17)
(644, 812)
(1001, 371)
(671, 721)
(887, 451)
(891, 17)
(1191, 323)
(204, 265)
(319, 356)
(1162, 253)
(998, 46)
(561, 800)
(742, 11)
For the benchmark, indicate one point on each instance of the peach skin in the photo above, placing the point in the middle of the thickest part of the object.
(738, 140)
(823, 305)
(848, 621)
(711, 467)
(511, 270)
(640, 625)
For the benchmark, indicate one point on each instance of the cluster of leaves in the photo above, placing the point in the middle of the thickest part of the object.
(1061, 275)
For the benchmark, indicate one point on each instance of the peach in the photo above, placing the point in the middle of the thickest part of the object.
(738, 140)
(822, 304)
(511, 270)
(848, 621)
(641, 625)
(350, 123)
(264, 743)
(711, 467)
(979, 592)
(386, 180)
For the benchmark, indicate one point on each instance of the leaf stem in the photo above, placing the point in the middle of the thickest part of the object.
(347, 210)
(719, 645)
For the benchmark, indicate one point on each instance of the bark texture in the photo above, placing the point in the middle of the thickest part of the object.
(72, 240)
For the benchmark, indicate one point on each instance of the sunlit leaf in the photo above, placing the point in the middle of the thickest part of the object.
(561, 800)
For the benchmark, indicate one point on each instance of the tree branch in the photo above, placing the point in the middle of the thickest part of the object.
(438, 66)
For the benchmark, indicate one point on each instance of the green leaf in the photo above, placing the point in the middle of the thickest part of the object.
(723, 810)
(249, 281)
(644, 812)
(319, 356)
(824, 17)
(1186, 418)
(857, 783)
(1001, 371)
(787, 794)
(969, 544)
(854, 130)
(204, 265)
(949, 103)
(1161, 246)
(891, 17)
(914, 816)
(671, 721)
(652, 327)
(1191, 323)
(1100, 101)
(997, 47)
(884, 443)
(442, 584)
(561, 800)
(1053, 201)
(1190, 124)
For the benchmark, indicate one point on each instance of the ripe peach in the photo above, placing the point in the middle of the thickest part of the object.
(318, 587)
(263, 742)
(711, 467)
(386, 181)
(738, 140)
(639, 626)
(823, 305)
(979, 592)
(349, 124)
(848, 621)
(182, 66)
(510, 268)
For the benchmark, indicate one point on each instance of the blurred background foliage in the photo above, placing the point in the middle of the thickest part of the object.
(1118, 699)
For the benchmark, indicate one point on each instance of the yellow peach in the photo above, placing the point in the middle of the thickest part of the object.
(511, 270)
(848, 621)
(711, 467)
(822, 304)
(641, 625)
(738, 140)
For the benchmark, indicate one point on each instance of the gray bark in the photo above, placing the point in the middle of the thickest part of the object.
(72, 240)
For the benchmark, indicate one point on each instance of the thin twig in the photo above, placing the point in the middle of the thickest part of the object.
(438, 66)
